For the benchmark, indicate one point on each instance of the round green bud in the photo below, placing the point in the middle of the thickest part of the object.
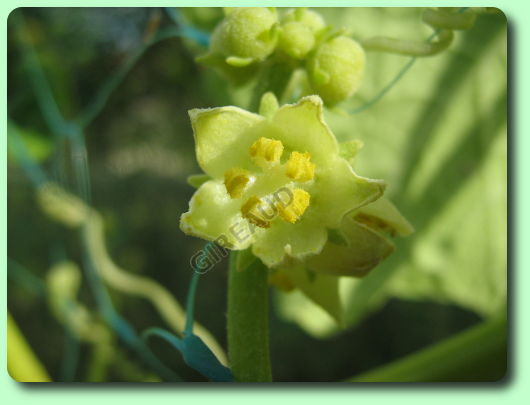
(296, 40)
(246, 35)
(309, 18)
(336, 69)
(204, 18)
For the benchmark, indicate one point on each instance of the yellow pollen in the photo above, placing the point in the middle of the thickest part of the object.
(296, 207)
(299, 167)
(266, 151)
(236, 181)
(256, 212)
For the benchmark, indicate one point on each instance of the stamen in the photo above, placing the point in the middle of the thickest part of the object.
(236, 181)
(255, 212)
(299, 167)
(296, 208)
(265, 151)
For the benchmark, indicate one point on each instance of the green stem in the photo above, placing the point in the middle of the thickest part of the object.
(248, 325)
(274, 77)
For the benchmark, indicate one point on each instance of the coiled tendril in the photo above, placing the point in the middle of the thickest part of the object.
(443, 20)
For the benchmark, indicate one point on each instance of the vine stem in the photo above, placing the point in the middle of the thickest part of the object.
(248, 322)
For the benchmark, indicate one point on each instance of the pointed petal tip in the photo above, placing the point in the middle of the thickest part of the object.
(194, 113)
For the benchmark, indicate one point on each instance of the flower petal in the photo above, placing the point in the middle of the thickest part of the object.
(385, 212)
(365, 249)
(223, 137)
(213, 215)
(299, 240)
(322, 289)
(301, 128)
(338, 190)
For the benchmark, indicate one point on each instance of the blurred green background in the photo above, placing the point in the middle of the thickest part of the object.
(438, 138)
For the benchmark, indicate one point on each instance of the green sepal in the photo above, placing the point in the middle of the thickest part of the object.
(238, 75)
(196, 180)
(268, 105)
(237, 61)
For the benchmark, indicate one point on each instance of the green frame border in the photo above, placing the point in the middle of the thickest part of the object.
(511, 390)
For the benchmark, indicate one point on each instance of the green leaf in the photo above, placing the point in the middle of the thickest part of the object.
(477, 354)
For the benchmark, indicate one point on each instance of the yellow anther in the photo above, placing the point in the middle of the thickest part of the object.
(299, 167)
(266, 151)
(296, 207)
(236, 180)
(258, 212)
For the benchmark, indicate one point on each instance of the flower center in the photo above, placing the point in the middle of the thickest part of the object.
(286, 201)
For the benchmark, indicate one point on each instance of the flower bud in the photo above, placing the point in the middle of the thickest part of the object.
(296, 40)
(308, 18)
(246, 35)
(336, 69)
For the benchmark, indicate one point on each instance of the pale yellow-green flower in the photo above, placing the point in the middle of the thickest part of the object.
(278, 184)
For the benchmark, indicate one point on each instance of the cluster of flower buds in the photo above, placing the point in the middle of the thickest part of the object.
(249, 36)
